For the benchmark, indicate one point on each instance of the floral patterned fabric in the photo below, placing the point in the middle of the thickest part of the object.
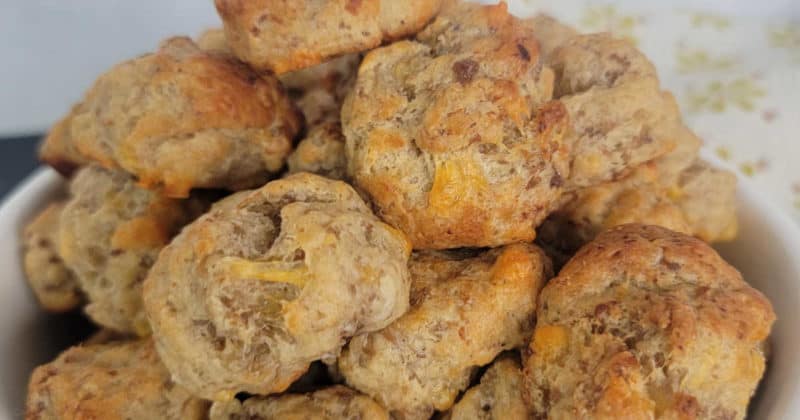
(736, 76)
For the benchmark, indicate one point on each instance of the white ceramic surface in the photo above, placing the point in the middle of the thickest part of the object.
(767, 252)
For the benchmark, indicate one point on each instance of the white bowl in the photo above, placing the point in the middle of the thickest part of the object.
(767, 252)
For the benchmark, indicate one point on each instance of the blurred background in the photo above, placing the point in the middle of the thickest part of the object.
(53, 50)
(734, 66)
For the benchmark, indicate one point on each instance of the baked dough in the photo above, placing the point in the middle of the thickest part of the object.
(180, 118)
(110, 233)
(321, 152)
(287, 35)
(465, 310)
(53, 284)
(453, 135)
(118, 381)
(270, 280)
(334, 403)
(650, 323)
(497, 397)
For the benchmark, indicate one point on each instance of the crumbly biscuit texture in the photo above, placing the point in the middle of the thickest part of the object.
(453, 135)
(110, 233)
(648, 322)
(181, 118)
(497, 397)
(123, 380)
(321, 152)
(465, 310)
(270, 280)
(53, 284)
(287, 35)
(333, 403)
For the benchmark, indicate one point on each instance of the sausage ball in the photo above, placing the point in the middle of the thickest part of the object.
(465, 310)
(181, 118)
(118, 381)
(51, 281)
(650, 323)
(285, 35)
(271, 280)
(110, 233)
(453, 135)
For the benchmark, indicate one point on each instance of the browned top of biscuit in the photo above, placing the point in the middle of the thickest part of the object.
(181, 118)
(283, 36)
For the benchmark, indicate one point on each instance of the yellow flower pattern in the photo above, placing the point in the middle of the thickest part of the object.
(697, 60)
(712, 20)
(606, 18)
(786, 37)
(751, 169)
(723, 153)
(717, 96)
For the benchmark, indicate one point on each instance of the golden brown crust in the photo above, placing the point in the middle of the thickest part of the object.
(333, 403)
(182, 118)
(110, 233)
(112, 382)
(318, 91)
(270, 280)
(321, 152)
(53, 284)
(497, 397)
(465, 310)
(400, 19)
(287, 35)
(453, 136)
(648, 322)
